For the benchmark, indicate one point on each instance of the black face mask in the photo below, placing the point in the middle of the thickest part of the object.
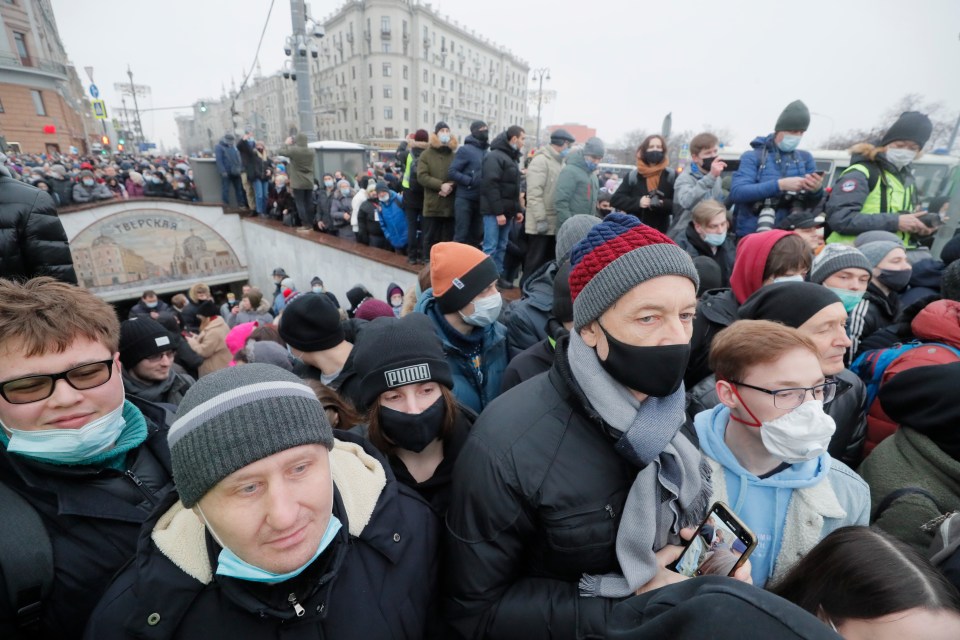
(707, 163)
(655, 371)
(413, 431)
(482, 136)
(652, 157)
(895, 280)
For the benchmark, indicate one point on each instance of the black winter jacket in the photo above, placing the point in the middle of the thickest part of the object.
(526, 319)
(876, 311)
(500, 186)
(374, 581)
(32, 240)
(93, 519)
(695, 246)
(467, 168)
(627, 199)
(141, 310)
(64, 190)
(716, 310)
(848, 410)
(537, 495)
(534, 360)
(413, 195)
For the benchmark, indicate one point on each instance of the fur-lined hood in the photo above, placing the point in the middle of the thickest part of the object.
(416, 144)
(359, 477)
(866, 151)
(436, 144)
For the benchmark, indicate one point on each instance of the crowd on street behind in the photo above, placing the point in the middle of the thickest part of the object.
(687, 357)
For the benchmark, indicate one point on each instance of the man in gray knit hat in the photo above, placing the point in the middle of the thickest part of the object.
(277, 523)
(574, 485)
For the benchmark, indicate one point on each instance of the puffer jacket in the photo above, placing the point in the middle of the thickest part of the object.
(467, 168)
(526, 319)
(433, 168)
(228, 158)
(93, 517)
(32, 240)
(577, 189)
(500, 184)
(848, 410)
(300, 168)
(386, 550)
(478, 361)
(542, 174)
(753, 183)
(520, 534)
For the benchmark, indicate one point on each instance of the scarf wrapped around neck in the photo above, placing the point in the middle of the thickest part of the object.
(672, 489)
(652, 172)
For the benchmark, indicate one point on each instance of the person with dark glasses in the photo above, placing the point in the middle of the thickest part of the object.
(81, 466)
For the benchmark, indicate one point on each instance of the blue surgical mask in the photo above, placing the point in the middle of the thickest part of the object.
(716, 239)
(317, 289)
(789, 143)
(328, 183)
(88, 183)
(69, 446)
(850, 299)
(485, 311)
(796, 278)
(444, 138)
(151, 305)
(231, 565)
(384, 199)
(345, 192)
(564, 152)
(591, 166)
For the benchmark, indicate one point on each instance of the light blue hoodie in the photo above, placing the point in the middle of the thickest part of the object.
(760, 503)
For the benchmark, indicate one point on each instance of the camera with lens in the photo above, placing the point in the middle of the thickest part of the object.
(656, 198)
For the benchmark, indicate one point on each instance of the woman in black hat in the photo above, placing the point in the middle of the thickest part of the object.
(412, 414)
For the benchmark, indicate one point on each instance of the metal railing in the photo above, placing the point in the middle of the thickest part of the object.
(48, 66)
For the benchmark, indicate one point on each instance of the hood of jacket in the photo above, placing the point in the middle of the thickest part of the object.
(228, 143)
(764, 141)
(416, 147)
(500, 143)
(472, 141)
(576, 159)
(179, 533)
(711, 426)
(867, 152)
(300, 140)
(551, 153)
(539, 286)
(927, 273)
(752, 254)
(939, 321)
(719, 306)
(439, 146)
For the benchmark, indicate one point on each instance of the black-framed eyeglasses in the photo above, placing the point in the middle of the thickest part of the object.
(794, 397)
(35, 388)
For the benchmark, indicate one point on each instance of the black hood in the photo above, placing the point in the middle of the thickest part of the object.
(471, 140)
(500, 143)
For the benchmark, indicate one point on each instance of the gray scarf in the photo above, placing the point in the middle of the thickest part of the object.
(672, 489)
(149, 391)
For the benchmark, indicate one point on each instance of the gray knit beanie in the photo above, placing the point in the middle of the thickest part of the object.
(877, 235)
(875, 252)
(837, 257)
(617, 255)
(573, 231)
(237, 416)
(794, 117)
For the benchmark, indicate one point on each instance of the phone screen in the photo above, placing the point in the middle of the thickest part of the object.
(721, 545)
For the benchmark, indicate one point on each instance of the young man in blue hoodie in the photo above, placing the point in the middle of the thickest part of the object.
(767, 444)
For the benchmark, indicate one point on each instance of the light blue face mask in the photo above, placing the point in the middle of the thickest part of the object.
(796, 278)
(789, 143)
(231, 565)
(850, 299)
(485, 311)
(716, 239)
(317, 289)
(444, 138)
(151, 305)
(69, 446)
(564, 152)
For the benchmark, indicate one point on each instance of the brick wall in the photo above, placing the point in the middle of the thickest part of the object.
(20, 123)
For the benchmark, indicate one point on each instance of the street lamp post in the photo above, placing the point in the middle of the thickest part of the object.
(541, 73)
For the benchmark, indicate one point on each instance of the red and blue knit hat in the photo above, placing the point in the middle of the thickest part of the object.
(617, 255)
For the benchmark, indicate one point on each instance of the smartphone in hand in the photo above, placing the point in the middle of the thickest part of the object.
(721, 545)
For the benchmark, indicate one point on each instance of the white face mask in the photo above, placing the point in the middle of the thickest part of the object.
(485, 311)
(796, 278)
(900, 157)
(803, 434)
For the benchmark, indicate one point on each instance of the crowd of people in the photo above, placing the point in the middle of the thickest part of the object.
(438, 463)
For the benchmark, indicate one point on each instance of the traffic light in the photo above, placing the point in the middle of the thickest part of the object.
(105, 140)
(120, 146)
(121, 141)
(203, 107)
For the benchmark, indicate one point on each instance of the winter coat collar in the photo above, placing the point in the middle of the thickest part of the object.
(439, 146)
(500, 143)
(890, 303)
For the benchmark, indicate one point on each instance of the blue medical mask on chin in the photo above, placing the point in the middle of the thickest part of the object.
(231, 565)
(789, 143)
(69, 446)
(715, 239)
(485, 311)
(850, 299)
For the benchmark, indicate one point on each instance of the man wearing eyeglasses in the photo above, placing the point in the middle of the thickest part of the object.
(147, 351)
(767, 444)
(78, 454)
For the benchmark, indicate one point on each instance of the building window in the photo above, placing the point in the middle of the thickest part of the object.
(404, 28)
(353, 73)
(388, 113)
(38, 102)
(388, 132)
(426, 76)
(443, 82)
(1, 106)
(372, 113)
(387, 91)
(371, 92)
(385, 24)
(406, 72)
(426, 115)
(406, 115)
(406, 93)
(370, 70)
(387, 70)
(21, 43)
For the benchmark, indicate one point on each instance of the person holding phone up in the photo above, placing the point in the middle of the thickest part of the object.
(767, 444)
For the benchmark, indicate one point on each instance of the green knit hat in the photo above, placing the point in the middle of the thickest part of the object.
(236, 416)
(796, 117)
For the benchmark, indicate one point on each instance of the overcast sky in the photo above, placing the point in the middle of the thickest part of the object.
(616, 65)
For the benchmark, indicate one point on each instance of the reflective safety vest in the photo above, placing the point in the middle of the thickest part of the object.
(888, 195)
(406, 171)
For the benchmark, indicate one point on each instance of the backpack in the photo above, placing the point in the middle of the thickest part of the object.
(393, 221)
(877, 366)
(26, 558)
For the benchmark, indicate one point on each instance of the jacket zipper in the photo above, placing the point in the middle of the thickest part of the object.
(143, 488)
(292, 599)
